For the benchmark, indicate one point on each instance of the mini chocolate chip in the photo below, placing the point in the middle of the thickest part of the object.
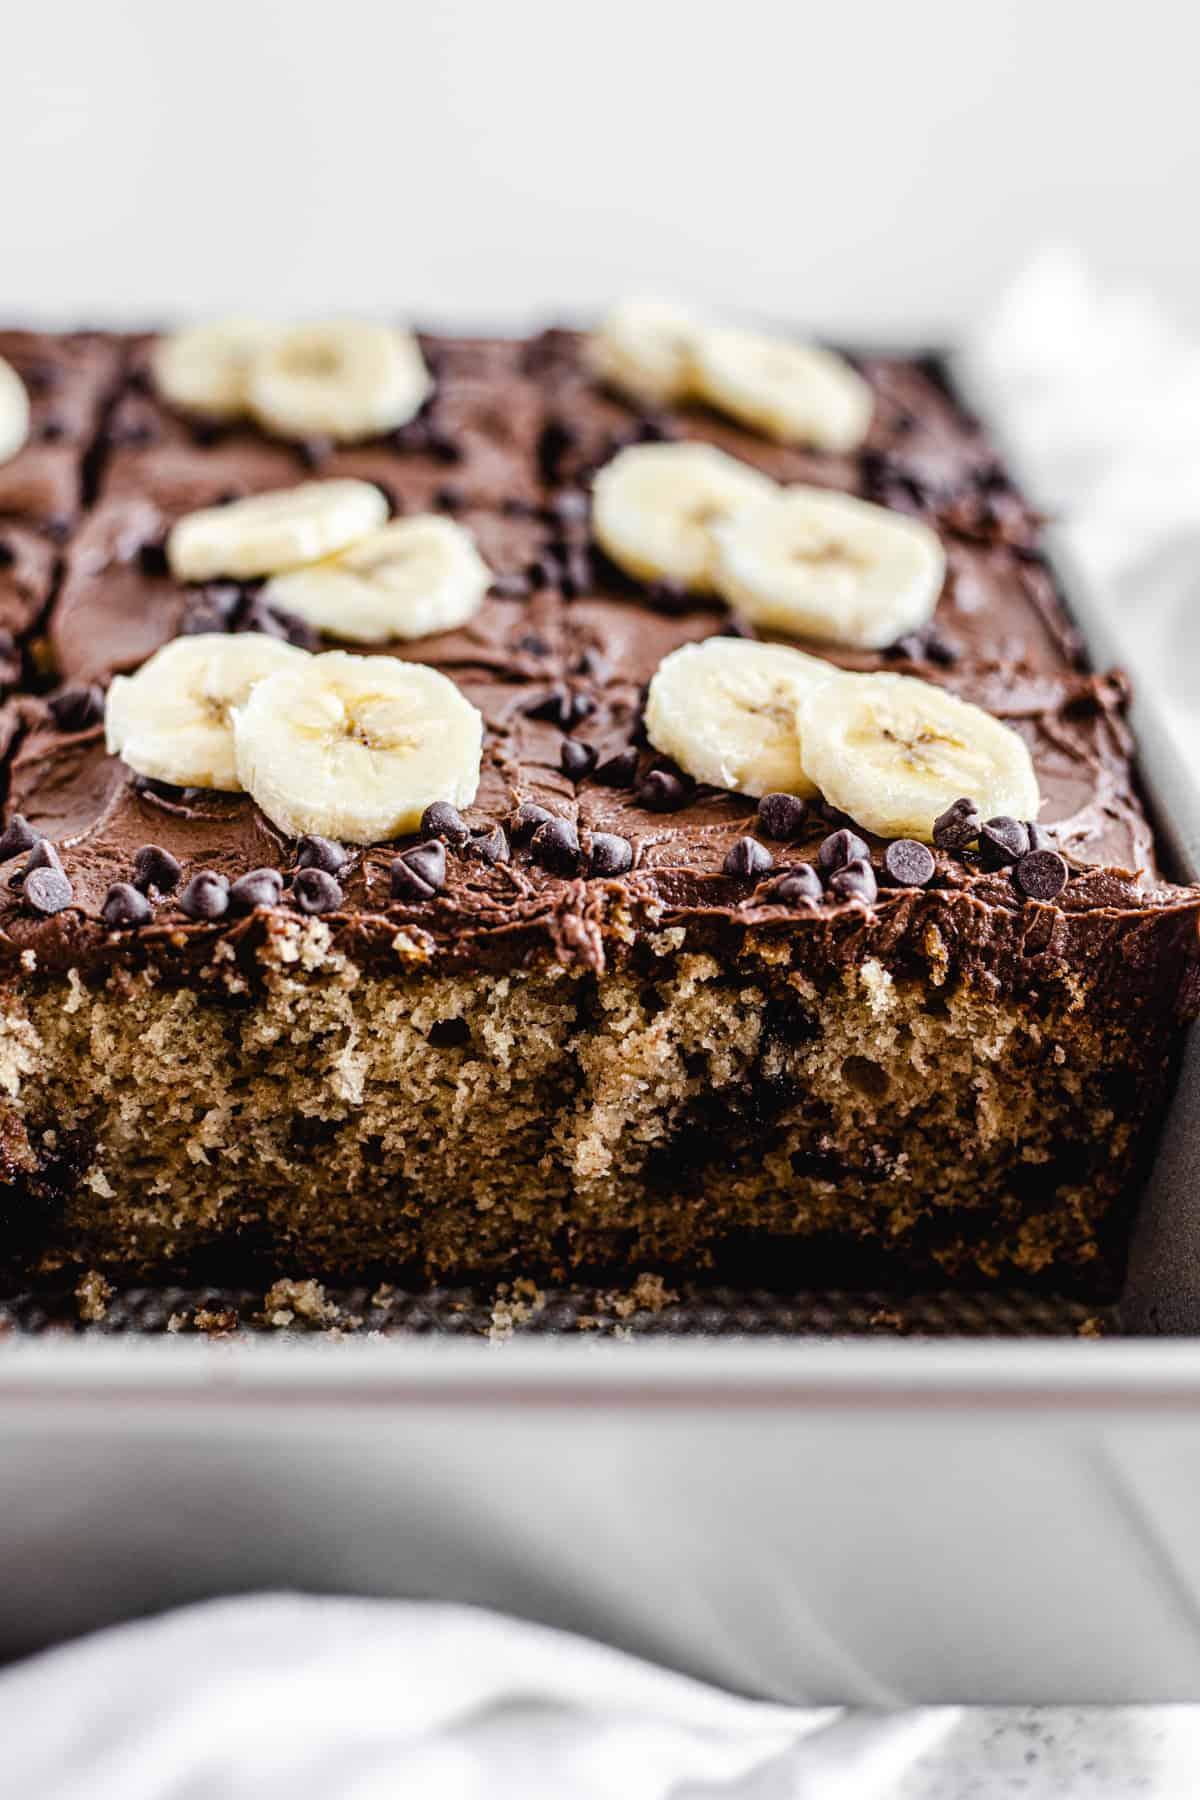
(577, 573)
(212, 609)
(42, 856)
(652, 428)
(619, 771)
(595, 664)
(258, 616)
(77, 706)
(18, 836)
(529, 815)
(442, 446)
(909, 863)
(800, 886)
(958, 826)
(840, 848)
(571, 507)
(441, 820)
(490, 846)
(663, 791)
(206, 896)
(510, 587)
(943, 651)
(47, 891)
(314, 452)
(449, 499)
(556, 846)
(668, 596)
(152, 559)
(8, 555)
(563, 708)
(782, 815)
(321, 853)
(124, 905)
(1039, 837)
(610, 854)
(557, 437)
(551, 707)
(544, 571)
(1042, 874)
(748, 858)
(154, 867)
(577, 759)
(909, 648)
(258, 887)
(316, 891)
(855, 880)
(419, 873)
(1003, 840)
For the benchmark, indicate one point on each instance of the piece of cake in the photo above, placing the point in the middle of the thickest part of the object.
(612, 996)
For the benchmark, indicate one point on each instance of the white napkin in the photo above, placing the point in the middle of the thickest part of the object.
(1097, 393)
(288, 1698)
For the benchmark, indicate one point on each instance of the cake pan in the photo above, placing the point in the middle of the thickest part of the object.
(868, 1522)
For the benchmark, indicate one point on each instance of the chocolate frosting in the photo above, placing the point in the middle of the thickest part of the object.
(508, 444)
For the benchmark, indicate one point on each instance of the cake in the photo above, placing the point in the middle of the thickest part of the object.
(593, 1010)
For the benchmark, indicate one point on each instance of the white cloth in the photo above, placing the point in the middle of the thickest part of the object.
(1097, 393)
(288, 1698)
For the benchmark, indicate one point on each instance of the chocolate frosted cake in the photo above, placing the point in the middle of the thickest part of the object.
(749, 876)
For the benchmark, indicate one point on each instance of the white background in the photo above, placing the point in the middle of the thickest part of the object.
(862, 167)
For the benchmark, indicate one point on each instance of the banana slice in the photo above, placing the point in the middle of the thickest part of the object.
(347, 380)
(272, 532)
(355, 748)
(414, 577)
(205, 369)
(725, 711)
(826, 566)
(14, 411)
(655, 507)
(792, 392)
(642, 349)
(172, 720)
(894, 752)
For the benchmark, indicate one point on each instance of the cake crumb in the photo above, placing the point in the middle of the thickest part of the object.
(1091, 1328)
(215, 1324)
(884, 1318)
(649, 1293)
(288, 1300)
(93, 1293)
(513, 1306)
(210, 1321)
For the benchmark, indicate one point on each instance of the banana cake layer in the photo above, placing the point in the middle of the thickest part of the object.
(586, 1021)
